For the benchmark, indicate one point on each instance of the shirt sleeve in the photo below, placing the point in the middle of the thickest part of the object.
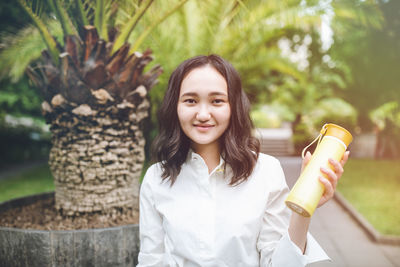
(274, 243)
(150, 224)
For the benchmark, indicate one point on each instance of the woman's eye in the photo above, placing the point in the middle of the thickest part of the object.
(218, 101)
(189, 101)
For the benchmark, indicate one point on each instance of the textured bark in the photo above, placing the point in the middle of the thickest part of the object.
(97, 158)
(95, 104)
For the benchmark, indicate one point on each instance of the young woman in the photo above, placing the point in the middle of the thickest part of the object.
(212, 199)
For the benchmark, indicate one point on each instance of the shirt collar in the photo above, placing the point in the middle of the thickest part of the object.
(193, 156)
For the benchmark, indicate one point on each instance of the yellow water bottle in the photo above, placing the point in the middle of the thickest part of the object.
(308, 190)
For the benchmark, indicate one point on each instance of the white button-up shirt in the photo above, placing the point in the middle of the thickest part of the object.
(203, 221)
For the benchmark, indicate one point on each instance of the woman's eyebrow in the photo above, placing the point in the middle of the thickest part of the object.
(189, 94)
(216, 93)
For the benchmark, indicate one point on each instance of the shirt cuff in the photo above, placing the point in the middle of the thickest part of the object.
(289, 254)
(314, 251)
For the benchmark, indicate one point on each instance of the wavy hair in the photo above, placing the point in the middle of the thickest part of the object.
(239, 148)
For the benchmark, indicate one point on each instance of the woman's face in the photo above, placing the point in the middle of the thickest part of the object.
(203, 106)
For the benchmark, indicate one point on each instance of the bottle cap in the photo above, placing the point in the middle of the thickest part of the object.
(334, 130)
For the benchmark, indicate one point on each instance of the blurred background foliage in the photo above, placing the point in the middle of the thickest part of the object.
(303, 62)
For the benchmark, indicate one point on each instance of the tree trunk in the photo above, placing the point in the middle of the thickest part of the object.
(97, 158)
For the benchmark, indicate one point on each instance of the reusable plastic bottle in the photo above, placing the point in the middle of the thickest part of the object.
(308, 190)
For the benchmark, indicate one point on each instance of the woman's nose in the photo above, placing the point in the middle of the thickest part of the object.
(203, 114)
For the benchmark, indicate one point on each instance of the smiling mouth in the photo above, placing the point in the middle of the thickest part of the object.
(203, 127)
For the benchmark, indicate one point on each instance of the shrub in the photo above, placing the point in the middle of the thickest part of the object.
(334, 110)
(270, 116)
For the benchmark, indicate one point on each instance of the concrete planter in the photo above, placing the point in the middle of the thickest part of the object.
(115, 246)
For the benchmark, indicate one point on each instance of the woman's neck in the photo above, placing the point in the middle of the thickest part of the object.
(210, 154)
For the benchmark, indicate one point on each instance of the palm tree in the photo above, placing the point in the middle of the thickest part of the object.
(95, 99)
(247, 33)
(244, 32)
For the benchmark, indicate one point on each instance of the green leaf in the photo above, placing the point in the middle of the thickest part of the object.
(23, 48)
(100, 19)
(47, 37)
(147, 31)
(130, 26)
(63, 18)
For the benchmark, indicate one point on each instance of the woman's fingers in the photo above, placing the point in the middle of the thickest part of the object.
(329, 191)
(337, 167)
(345, 158)
(333, 178)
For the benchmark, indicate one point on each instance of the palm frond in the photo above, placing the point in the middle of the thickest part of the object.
(63, 18)
(130, 25)
(349, 18)
(23, 48)
(82, 13)
(47, 37)
(100, 18)
(147, 31)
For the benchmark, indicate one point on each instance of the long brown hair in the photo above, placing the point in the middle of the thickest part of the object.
(239, 148)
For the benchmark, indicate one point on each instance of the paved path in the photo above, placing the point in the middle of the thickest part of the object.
(341, 237)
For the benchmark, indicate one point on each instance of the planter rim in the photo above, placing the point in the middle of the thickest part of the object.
(47, 195)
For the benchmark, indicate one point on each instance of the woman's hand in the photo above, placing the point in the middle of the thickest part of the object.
(333, 176)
